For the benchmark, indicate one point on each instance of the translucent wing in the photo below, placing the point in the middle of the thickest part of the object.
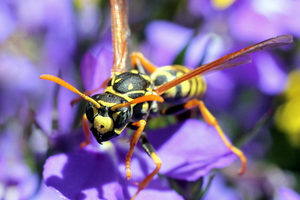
(120, 33)
(227, 61)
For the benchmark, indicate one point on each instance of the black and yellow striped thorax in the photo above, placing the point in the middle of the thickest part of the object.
(128, 86)
(189, 89)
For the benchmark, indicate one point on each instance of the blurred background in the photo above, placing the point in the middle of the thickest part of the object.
(257, 104)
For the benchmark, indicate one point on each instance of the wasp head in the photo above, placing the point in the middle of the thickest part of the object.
(107, 123)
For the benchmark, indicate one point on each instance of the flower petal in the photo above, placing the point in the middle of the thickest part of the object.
(190, 150)
(83, 174)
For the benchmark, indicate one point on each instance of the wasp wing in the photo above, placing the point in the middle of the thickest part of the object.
(120, 34)
(227, 61)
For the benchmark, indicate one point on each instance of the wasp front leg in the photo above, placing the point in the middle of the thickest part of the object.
(86, 131)
(133, 141)
(151, 152)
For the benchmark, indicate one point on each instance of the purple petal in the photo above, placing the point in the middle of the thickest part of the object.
(244, 23)
(210, 45)
(219, 190)
(287, 194)
(275, 18)
(47, 193)
(83, 174)
(220, 89)
(200, 8)
(15, 176)
(66, 112)
(7, 21)
(272, 79)
(166, 40)
(96, 66)
(190, 150)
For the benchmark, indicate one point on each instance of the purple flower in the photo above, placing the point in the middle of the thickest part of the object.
(165, 41)
(276, 17)
(190, 150)
(16, 178)
(95, 175)
(286, 194)
(219, 190)
(240, 22)
(7, 21)
(96, 64)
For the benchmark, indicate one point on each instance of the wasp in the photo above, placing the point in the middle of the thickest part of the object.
(131, 97)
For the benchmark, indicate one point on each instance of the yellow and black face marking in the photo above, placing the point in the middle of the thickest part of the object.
(107, 123)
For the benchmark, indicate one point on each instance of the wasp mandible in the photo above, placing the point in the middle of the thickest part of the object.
(131, 97)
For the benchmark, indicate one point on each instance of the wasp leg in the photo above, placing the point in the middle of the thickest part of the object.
(211, 120)
(151, 152)
(133, 141)
(86, 132)
(90, 92)
(138, 58)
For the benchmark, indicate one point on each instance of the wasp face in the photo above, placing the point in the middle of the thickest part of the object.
(107, 123)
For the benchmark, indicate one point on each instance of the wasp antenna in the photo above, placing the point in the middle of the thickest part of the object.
(63, 83)
(151, 97)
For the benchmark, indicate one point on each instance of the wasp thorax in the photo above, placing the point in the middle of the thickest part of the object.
(103, 124)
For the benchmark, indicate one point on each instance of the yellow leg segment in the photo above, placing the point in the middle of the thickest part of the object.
(211, 120)
(139, 57)
(133, 141)
(151, 152)
(147, 180)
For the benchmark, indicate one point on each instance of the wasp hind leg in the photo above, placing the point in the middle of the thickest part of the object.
(138, 59)
(211, 120)
(149, 149)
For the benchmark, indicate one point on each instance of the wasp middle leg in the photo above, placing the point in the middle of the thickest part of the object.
(149, 149)
(138, 58)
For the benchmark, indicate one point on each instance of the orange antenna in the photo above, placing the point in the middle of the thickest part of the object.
(63, 83)
(151, 97)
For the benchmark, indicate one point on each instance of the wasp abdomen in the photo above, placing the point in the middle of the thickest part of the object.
(189, 89)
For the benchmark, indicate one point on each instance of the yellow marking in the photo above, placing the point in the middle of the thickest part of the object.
(119, 131)
(145, 107)
(95, 111)
(115, 115)
(185, 88)
(103, 124)
(130, 86)
(193, 83)
(117, 80)
(222, 4)
(107, 104)
(155, 158)
(111, 90)
(147, 78)
(134, 71)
